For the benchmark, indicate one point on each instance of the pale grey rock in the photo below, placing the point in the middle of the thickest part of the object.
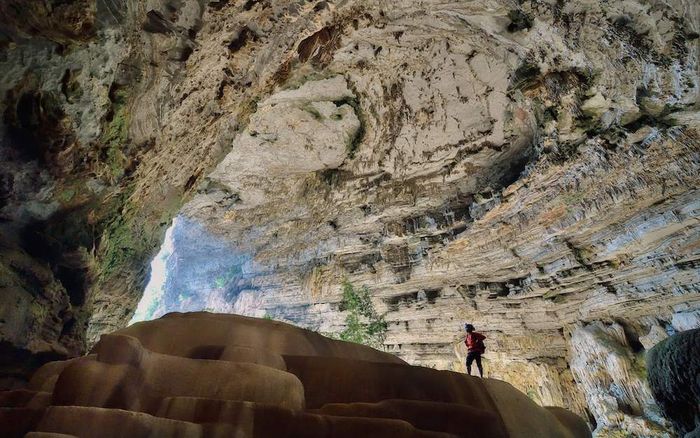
(477, 188)
(449, 213)
(614, 381)
(292, 133)
(656, 334)
(595, 105)
(682, 321)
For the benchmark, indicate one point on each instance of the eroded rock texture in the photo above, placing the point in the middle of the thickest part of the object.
(530, 167)
(212, 375)
(673, 374)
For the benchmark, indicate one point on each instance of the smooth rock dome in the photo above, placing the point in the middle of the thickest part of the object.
(214, 375)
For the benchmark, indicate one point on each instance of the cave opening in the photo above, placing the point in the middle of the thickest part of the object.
(153, 292)
(195, 270)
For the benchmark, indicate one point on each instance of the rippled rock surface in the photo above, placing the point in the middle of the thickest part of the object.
(213, 375)
(530, 167)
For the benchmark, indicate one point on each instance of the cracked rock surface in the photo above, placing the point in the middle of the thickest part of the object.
(530, 167)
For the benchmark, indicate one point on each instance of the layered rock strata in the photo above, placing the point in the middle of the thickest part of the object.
(515, 179)
(213, 375)
(530, 167)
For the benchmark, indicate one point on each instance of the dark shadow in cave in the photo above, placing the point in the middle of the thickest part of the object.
(57, 241)
(33, 121)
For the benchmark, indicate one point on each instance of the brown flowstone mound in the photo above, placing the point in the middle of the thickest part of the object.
(210, 375)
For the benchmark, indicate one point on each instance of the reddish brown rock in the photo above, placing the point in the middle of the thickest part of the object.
(208, 375)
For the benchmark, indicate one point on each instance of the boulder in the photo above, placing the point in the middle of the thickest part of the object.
(674, 376)
(211, 375)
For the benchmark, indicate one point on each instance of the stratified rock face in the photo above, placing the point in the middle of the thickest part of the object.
(533, 171)
(213, 375)
(674, 367)
(530, 167)
(611, 374)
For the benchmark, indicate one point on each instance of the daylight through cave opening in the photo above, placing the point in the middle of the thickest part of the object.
(155, 288)
(194, 270)
(382, 172)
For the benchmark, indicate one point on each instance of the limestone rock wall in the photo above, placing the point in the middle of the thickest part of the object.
(56, 94)
(530, 167)
(611, 373)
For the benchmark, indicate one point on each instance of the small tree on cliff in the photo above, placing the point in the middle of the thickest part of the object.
(363, 324)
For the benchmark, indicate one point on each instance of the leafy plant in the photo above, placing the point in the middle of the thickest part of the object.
(120, 245)
(363, 324)
(222, 280)
(532, 395)
(125, 239)
(66, 195)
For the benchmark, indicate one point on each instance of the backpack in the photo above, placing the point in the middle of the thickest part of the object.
(478, 344)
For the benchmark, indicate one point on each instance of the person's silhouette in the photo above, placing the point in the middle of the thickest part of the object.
(475, 348)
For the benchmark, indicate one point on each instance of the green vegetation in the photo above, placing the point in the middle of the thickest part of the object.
(120, 246)
(532, 395)
(617, 433)
(552, 295)
(363, 324)
(582, 255)
(66, 195)
(610, 343)
(573, 198)
(222, 280)
(639, 366)
(125, 241)
(299, 79)
(38, 311)
(115, 134)
(125, 245)
(559, 299)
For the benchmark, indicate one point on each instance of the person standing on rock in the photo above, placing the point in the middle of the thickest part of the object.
(475, 348)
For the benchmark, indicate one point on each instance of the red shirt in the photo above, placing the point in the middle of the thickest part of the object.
(475, 342)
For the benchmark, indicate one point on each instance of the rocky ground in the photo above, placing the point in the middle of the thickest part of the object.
(230, 375)
(527, 166)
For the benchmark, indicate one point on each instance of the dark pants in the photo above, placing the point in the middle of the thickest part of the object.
(471, 357)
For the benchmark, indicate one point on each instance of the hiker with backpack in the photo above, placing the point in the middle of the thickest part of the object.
(475, 348)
